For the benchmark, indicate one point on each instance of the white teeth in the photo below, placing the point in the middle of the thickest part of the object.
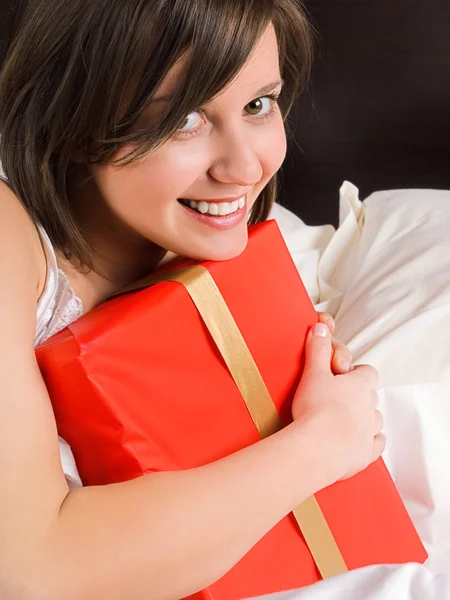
(214, 209)
(224, 208)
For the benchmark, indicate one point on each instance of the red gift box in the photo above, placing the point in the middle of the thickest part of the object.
(139, 385)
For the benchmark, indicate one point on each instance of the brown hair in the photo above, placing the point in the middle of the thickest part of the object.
(70, 62)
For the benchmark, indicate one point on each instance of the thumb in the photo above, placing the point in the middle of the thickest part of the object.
(318, 349)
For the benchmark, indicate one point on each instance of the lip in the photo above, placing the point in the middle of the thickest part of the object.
(219, 223)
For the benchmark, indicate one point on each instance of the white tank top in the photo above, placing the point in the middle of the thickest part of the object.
(57, 307)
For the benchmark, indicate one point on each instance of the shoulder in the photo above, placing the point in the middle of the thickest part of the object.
(22, 258)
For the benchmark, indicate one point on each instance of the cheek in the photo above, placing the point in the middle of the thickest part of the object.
(273, 149)
(159, 177)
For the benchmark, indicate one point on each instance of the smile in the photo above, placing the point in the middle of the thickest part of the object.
(221, 209)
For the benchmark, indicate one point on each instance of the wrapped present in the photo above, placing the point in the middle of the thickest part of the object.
(199, 362)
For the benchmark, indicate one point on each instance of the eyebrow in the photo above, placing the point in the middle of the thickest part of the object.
(269, 88)
(264, 90)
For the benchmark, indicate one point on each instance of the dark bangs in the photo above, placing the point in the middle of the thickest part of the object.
(216, 39)
(78, 76)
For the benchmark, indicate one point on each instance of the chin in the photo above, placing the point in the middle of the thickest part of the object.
(221, 249)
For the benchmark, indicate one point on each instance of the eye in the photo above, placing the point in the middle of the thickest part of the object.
(259, 107)
(193, 122)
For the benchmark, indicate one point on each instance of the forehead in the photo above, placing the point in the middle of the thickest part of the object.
(261, 68)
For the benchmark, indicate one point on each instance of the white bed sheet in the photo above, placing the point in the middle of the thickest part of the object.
(385, 276)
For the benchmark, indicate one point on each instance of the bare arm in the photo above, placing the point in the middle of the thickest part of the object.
(160, 536)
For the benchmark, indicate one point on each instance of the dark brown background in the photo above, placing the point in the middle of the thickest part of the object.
(378, 108)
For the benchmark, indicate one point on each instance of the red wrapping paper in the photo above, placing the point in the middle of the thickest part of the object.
(138, 386)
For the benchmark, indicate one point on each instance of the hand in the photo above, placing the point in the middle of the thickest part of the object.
(341, 409)
(341, 357)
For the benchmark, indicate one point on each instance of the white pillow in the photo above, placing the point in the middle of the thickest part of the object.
(306, 245)
(394, 308)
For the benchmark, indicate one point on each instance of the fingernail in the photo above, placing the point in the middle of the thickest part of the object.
(321, 330)
(344, 364)
(332, 323)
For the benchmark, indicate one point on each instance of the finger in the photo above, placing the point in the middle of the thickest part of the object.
(368, 373)
(328, 320)
(342, 358)
(379, 423)
(318, 349)
(375, 399)
(379, 446)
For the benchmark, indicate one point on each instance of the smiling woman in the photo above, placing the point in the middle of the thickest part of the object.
(129, 131)
(226, 150)
(162, 63)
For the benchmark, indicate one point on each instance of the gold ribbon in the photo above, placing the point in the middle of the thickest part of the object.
(223, 328)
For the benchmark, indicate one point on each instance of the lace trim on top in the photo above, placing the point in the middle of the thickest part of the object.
(58, 306)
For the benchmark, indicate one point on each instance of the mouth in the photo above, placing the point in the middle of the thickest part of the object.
(214, 209)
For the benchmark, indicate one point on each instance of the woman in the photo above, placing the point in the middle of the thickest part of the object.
(130, 131)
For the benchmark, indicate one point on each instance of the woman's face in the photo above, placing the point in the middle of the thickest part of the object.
(193, 195)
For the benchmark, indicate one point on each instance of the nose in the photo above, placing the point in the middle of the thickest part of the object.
(236, 159)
